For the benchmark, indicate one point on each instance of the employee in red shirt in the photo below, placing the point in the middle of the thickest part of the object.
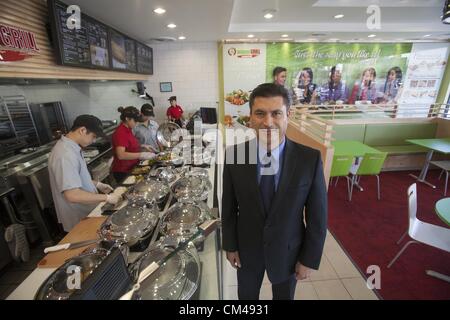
(127, 150)
(175, 112)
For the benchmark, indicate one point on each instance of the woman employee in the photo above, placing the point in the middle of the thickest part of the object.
(127, 150)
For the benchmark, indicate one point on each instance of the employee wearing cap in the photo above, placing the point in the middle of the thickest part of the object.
(74, 193)
(127, 149)
(175, 112)
(146, 130)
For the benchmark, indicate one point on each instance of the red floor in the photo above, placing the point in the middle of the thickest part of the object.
(368, 230)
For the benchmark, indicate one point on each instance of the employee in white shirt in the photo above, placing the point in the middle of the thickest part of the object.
(74, 192)
(146, 130)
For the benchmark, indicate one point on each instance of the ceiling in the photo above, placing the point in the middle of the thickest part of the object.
(300, 20)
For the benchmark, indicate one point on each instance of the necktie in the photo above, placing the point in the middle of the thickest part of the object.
(267, 186)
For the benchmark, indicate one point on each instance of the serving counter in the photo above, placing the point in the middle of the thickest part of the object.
(209, 258)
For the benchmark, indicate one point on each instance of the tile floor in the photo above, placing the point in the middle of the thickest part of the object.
(336, 279)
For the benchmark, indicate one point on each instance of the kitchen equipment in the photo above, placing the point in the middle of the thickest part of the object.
(148, 284)
(96, 275)
(169, 134)
(183, 219)
(193, 188)
(165, 174)
(149, 191)
(50, 120)
(74, 245)
(132, 225)
(176, 279)
(85, 230)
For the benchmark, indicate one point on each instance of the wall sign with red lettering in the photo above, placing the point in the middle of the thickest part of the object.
(16, 44)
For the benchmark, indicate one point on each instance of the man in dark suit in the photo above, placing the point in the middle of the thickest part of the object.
(268, 183)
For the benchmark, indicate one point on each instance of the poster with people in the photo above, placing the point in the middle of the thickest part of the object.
(324, 73)
(394, 75)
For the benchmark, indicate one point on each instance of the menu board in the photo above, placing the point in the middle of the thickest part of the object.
(95, 45)
(73, 44)
(98, 43)
(144, 58)
(123, 52)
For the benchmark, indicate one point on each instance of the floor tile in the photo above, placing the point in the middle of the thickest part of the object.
(305, 291)
(331, 290)
(358, 289)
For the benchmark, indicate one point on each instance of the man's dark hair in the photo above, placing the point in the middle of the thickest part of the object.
(278, 70)
(269, 90)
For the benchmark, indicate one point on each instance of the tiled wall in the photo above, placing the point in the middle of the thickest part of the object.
(191, 67)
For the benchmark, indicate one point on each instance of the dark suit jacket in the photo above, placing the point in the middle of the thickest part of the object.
(281, 239)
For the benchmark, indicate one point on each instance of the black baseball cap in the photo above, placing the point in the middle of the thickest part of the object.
(130, 112)
(91, 123)
(147, 110)
(173, 98)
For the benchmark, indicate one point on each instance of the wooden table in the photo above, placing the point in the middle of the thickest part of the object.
(439, 145)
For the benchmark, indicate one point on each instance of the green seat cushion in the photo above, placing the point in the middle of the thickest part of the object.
(405, 149)
(397, 134)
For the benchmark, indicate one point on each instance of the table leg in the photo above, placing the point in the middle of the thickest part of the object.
(423, 173)
(438, 275)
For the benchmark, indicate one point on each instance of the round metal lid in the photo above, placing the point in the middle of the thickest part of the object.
(149, 190)
(177, 278)
(167, 135)
(195, 188)
(183, 213)
(130, 223)
(56, 286)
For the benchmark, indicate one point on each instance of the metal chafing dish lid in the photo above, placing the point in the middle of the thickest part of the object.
(194, 188)
(56, 286)
(130, 223)
(166, 136)
(149, 190)
(177, 279)
(183, 213)
(183, 219)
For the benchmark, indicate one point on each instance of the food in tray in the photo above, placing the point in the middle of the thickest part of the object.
(228, 120)
(140, 170)
(238, 97)
(164, 157)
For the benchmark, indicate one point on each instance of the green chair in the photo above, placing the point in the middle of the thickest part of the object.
(371, 165)
(341, 168)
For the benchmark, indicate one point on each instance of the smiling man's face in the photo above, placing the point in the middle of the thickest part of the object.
(269, 118)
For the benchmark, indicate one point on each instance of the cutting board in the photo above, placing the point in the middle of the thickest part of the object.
(85, 230)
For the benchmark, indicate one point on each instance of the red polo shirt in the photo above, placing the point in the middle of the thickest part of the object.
(175, 112)
(123, 137)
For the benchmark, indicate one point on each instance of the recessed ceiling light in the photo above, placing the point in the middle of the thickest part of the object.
(171, 26)
(182, 38)
(371, 36)
(251, 36)
(284, 35)
(427, 35)
(339, 16)
(159, 11)
(268, 16)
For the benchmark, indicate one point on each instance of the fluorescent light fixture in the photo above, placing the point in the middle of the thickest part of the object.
(171, 25)
(268, 16)
(371, 36)
(339, 16)
(427, 35)
(181, 38)
(159, 11)
(251, 36)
